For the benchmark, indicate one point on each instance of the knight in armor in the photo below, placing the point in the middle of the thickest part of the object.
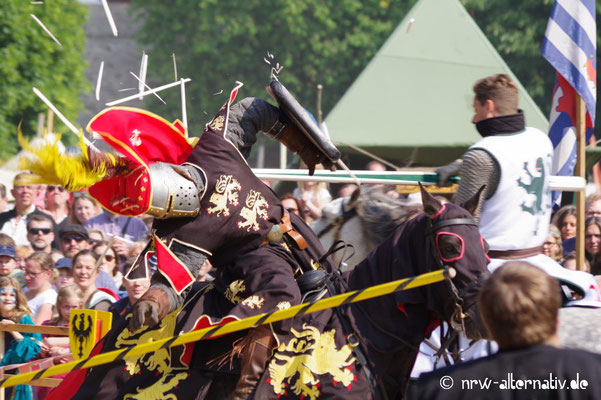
(240, 225)
(208, 203)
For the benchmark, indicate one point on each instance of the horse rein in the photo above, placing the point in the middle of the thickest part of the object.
(456, 294)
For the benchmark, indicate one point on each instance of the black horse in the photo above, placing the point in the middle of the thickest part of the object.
(382, 335)
(361, 350)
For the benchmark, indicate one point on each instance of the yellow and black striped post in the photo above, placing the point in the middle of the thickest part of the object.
(206, 333)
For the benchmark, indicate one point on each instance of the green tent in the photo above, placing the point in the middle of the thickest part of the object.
(413, 101)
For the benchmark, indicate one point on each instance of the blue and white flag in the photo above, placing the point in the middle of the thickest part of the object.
(570, 46)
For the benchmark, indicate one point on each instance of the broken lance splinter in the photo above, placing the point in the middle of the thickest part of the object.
(301, 309)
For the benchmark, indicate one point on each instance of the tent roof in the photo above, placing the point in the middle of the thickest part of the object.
(413, 101)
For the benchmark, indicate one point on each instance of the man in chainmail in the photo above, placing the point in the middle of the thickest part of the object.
(512, 162)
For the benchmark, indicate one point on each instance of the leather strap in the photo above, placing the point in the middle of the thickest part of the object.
(286, 226)
(515, 254)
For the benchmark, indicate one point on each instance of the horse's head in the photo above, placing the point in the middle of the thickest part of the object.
(455, 242)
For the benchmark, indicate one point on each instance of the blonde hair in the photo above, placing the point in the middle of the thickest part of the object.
(44, 259)
(319, 186)
(5, 239)
(21, 308)
(557, 255)
(24, 251)
(519, 305)
(66, 292)
(76, 199)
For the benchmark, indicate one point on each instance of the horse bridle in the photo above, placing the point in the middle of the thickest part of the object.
(457, 297)
(456, 294)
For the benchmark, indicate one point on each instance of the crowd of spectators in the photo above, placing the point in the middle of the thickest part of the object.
(60, 251)
(68, 253)
(560, 242)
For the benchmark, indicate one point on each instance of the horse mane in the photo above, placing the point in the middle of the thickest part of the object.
(381, 214)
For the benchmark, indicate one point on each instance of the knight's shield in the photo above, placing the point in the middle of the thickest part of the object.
(86, 328)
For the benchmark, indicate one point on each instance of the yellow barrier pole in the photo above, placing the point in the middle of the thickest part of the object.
(206, 333)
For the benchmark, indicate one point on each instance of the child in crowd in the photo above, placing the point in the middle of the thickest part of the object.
(69, 297)
(41, 297)
(8, 264)
(23, 251)
(571, 262)
(21, 347)
(64, 273)
(5, 239)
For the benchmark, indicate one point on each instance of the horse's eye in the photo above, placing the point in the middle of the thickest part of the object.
(450, 247)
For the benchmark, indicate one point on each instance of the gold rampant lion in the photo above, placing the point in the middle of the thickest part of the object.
(226, 192)
(159, 359)
(231, 293)
(255, 207)
(217, 123)
(158, 389)
(313, 354)
(253, 302)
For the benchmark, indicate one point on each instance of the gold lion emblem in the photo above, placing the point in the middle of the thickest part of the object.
(235, 288)
(226, 192)
(218, 122)
(253, 302)
(255, 208)
(311, 353)
(159, 360)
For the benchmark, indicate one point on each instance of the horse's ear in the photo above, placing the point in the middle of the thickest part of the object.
(472, 204)
(431, 205)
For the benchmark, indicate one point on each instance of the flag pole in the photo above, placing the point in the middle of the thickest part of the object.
(580, 170)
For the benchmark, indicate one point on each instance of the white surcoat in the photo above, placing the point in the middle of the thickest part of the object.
(518, 214)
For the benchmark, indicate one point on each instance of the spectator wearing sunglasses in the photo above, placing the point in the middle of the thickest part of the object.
(110, 261)
(40, 233)
(294, 205)
(57, 205)
(14, 222)
(73, 239)
(41, 297)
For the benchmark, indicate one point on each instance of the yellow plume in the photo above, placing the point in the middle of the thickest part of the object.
(50, 166)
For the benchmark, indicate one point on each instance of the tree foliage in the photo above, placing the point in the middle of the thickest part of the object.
(30, 58)
(217, 42)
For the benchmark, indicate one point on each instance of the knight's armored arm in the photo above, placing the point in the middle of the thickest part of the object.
(251, 115)
(447, 171)
(479, 168)
(247, 117)
(161, 298)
